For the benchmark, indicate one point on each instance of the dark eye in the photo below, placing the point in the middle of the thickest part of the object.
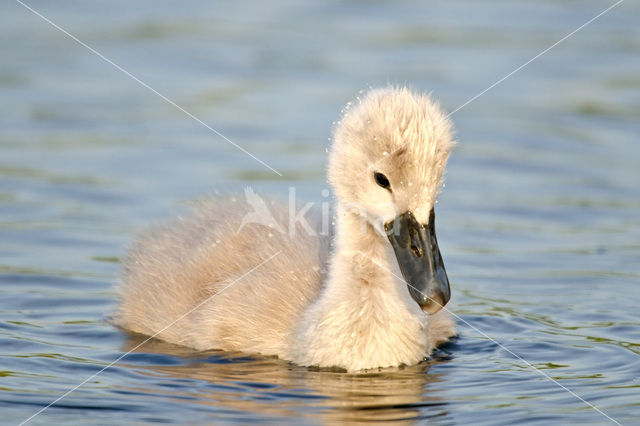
(382, 180)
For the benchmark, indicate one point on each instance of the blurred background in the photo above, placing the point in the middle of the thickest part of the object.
(538, 224)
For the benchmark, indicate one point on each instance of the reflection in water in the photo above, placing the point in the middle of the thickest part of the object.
(270, 387)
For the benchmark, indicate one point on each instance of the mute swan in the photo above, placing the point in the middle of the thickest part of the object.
(201, 282)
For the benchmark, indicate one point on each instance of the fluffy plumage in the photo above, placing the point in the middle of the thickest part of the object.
(346, 308)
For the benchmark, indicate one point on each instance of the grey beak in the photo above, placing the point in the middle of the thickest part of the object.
(420, 261)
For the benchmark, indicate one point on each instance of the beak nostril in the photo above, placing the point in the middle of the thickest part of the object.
(416, 243)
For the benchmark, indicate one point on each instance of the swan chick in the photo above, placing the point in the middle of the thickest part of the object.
(369, 297)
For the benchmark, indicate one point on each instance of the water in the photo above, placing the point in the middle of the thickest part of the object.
(539, 222)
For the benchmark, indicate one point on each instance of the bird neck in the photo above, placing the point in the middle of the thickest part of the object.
(364, 317)
(360, 256)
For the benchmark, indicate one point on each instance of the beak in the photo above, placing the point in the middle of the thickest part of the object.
(420, 261)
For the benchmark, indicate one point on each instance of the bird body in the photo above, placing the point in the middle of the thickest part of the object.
(226, 278)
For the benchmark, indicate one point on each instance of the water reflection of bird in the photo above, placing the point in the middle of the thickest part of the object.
(270, 292)
(236, 386)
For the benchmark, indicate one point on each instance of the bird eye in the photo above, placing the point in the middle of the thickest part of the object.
(382, 180)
